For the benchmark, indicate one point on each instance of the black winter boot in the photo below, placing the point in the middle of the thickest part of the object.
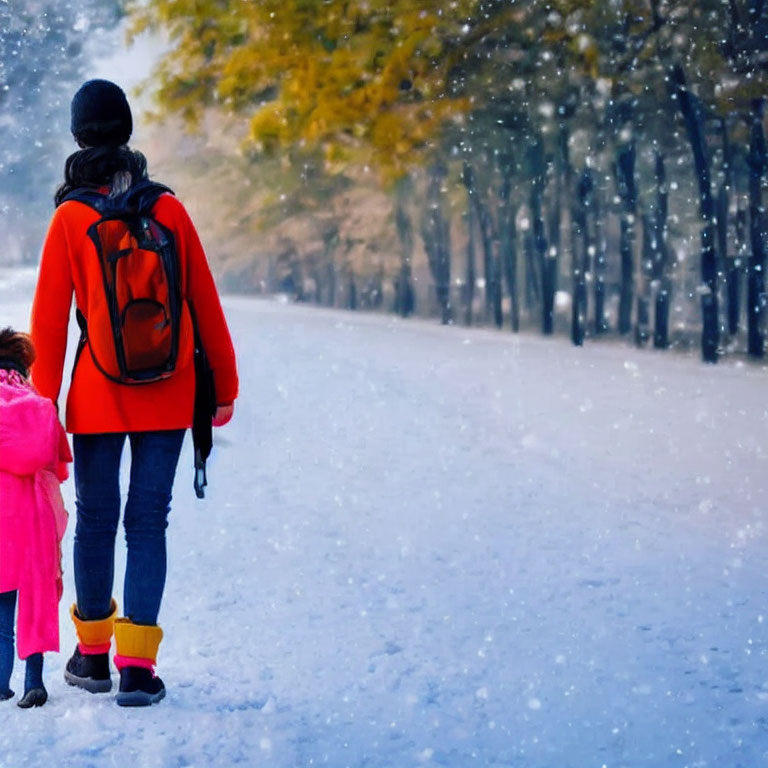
(139, 687)
(35, 694)
(6, 693)
(34, 697)
(89, 671)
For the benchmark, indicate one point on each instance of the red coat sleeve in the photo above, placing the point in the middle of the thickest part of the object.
(50, 311)
(204, 298)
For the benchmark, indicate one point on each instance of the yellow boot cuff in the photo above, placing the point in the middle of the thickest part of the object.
(94, 633)
(137, 641)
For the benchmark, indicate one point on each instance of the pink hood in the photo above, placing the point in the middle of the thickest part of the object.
(33, 461)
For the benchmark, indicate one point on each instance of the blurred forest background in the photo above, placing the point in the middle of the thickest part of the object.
(574, 166)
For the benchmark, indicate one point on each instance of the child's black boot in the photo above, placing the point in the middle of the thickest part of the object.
(35, 694)
(34, 697)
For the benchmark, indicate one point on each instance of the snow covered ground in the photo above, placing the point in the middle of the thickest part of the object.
(429, 546)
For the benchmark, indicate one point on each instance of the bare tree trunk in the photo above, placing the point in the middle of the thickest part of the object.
(331, 278)
(625, 178)
(489, 239)
(496, 292)
(351, 290)
(661, 257)
(328, 273)
(756, 277)
(643, 316)
(469, 287)
(436, 235)
(554, 245)
(735, 269)
(546, 260)
(722, 205)
(508, 240)
(404, 293)
(601, 323)
(582, 247)
(532, 273)
(693, 122)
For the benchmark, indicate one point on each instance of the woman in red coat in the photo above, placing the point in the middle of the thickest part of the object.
(102, 412)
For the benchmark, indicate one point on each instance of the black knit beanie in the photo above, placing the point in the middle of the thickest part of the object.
(101, 115)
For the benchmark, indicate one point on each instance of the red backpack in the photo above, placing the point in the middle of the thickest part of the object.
(132, 329)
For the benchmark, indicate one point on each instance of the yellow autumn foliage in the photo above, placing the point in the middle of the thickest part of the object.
(314, 73)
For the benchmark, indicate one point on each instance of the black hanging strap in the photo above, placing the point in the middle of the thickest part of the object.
(205, 408)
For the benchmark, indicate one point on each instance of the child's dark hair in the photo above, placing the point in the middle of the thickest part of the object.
(16, 351)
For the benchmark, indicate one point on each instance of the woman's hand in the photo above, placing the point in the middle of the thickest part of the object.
(223, 414)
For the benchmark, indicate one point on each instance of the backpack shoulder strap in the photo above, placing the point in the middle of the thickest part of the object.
(142, 197)
(89, 197)
(138, 199)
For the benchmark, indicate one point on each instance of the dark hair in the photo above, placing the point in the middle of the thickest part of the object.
(17, 349)
(101, 167)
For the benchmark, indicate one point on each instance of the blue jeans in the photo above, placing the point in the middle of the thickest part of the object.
(34, 671)
(154, 456)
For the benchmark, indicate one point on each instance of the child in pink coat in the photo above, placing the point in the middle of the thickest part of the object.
(33, 462)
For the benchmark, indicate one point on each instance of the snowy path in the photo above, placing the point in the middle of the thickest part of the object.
(428, 546)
